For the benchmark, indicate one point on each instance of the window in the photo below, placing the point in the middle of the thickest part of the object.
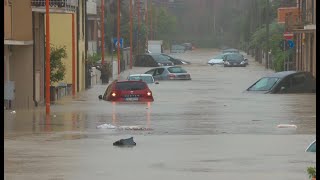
(176, 70)
(150, 72)
(264, 84)
(147, 79)
(298, 79)
(130, 86)
(159, 71)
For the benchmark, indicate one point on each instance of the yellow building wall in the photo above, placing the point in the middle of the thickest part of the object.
(61, 35)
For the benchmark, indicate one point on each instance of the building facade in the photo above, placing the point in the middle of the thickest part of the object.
(304, 30)
(18, 54)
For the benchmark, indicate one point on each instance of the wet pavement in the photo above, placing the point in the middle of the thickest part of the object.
(204, 128)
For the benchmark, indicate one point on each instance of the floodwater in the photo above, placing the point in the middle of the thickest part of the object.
(204, 128)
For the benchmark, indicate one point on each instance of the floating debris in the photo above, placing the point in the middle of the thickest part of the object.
(106, 126)
(13, 112)
(125, 142)
(287, 126)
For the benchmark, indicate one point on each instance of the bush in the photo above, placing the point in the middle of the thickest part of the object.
(57, 68)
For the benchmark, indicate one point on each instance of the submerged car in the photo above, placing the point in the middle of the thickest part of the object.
(147, 78)
(285, 82)
(234, 60)
(230, 51)
(176, 61)
(312, 147)
(151, 60)
(217, 59)
(169, 73)
(128, 91)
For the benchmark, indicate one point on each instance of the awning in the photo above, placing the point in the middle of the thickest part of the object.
(17, 43)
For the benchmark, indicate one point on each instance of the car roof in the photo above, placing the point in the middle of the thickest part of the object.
(140, 75)
(231, 49)
(129, 81)
(282, 74)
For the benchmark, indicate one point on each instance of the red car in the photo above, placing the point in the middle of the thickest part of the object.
(128, 91)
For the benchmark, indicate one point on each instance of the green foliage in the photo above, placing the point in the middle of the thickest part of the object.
(311, 172)
(94, 58)
(57, 68)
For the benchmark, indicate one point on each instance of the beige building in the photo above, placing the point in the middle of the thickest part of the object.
(18, 54)
(305, 36)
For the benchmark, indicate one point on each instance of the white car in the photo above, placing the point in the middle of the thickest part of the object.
(217, 59)
(148, 78)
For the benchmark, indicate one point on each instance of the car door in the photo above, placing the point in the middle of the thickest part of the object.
(298, 83)
(158, 74)
(283, 86)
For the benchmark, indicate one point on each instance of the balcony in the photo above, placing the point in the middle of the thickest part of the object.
(56, 6)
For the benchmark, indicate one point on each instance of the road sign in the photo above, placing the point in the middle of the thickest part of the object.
(290, 43)
(115, 42)
(288, 35)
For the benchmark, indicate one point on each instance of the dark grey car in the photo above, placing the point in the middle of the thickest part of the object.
(285, 82)
(151, 60)
(234, 60)
(169, 73)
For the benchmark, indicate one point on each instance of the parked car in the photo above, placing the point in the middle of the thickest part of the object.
(217, 59)
(312, 147)
(151, 60)
(230, 51)
(234, 60)
(169, 73)
(176, 61)
(285, 82)
(126, 91)
(188, 46)
(147, 78)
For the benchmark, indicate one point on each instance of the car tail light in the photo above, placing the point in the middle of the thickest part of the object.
(113, 94)
(149, 93)
(171, 76)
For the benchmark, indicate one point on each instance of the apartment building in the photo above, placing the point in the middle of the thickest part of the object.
(18, 54)
(304, 30)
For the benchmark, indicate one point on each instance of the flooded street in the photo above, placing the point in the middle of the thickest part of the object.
(200, 129)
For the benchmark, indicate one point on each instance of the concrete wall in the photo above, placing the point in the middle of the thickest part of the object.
(21, 72)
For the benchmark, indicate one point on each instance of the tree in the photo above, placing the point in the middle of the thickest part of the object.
(57, 68)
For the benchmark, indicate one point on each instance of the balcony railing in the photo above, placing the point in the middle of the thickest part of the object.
(55, 5)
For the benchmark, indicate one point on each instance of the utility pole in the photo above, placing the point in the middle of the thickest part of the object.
(268, 35)
(73, 59)
(146, 22)
(151, 32)
(102, 32)
(118, 38)
(138, 39)
(47, 59)
(130, 34)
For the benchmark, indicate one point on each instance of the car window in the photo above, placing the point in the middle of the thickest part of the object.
(150, 72)
(147, 79)
(264, 84)
(298, 79)
(219, 56)
(159, 58)
(312, 147)
(159, 71)
(130, 86)
(176, 70)
(234, 57)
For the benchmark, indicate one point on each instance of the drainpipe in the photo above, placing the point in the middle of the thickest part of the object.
(86, 47)
(78, 36)
(33, 64)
